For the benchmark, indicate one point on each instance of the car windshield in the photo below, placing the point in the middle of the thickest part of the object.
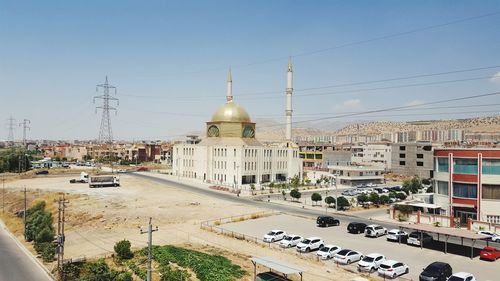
(455, 278)
(343, 252)
(288, 238)
(368, 259)
(392, 232)
(433, 268)
(271, 233)
(306, 241)
(415, 235)
(324, 249)
(385, 266)
(488, 250)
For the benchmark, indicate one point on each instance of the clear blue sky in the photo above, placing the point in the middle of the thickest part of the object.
(169, 60)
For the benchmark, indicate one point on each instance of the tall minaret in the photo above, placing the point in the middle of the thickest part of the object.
(229, 95)
(288, 111)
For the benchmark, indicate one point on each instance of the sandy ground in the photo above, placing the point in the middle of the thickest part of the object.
(97, 218)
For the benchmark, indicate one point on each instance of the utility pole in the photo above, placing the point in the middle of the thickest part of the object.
(10, 126)
(3, 194)
(61, 238)
(25, 127)
(24, 214)
(150, 245)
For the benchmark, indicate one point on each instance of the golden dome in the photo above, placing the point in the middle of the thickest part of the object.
(231, 112)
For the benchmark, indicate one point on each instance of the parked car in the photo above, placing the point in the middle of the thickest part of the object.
(42, 172)
(347, 256)
(393, 268)
(356, 227)
(274, 235)
(290, 240)
(461, 276)
(310, 244)
(328, 251)
(436, 271)
(370, 262)
(489, 253)
(397, 235)
(327, 221)
(375, 230)
(414, 238)
(492, 236)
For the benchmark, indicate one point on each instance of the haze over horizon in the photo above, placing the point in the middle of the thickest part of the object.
(169, 61)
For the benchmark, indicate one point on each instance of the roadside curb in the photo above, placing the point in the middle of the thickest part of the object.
(26, 251)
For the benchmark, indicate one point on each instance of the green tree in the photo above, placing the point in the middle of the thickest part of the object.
(295, 194)
(342, 202)
(374, 198)
(404, 209)
(39, 226)
(329, 200)
(122, 249)
(384, 199)
(252, 187)
(400, 196)
(295, 181)
(412, 185)
(362, 198)
(315, 197)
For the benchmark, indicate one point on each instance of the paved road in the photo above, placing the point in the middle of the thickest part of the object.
(15, 264)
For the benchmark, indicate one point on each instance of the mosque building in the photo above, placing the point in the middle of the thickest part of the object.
(230, 154)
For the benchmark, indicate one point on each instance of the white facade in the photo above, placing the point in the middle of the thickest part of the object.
(373, 154)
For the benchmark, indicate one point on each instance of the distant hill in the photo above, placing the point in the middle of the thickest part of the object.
(272, 130)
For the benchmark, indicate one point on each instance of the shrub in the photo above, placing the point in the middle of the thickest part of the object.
(374, 197)
(97, 271)
(122, 249)
(170, 274)
(295, 194)
(46, 249)
(400, 196)
(124, 276)
(362, 198)
(384, 199)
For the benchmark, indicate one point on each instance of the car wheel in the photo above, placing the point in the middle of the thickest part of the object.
(407, 270)
(272, 240)
(308, 250)
(348, 261)
(394, 275)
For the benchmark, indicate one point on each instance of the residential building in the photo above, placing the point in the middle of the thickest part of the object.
(357, 175)
(413, 159)
(373, 154)
(467, 183)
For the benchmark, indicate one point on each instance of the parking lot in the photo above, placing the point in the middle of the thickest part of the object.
(414, 257)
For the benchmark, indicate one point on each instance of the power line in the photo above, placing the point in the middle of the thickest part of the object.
(25, 127)
(248, 96)
(389, 109)
(10, 126)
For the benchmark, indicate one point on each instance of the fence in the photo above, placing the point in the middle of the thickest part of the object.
(480, 225)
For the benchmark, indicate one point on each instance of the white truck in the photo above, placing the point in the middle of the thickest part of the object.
(84, 178)
(102, 181)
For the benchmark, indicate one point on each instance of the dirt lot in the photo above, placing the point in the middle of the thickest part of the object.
(97, 218)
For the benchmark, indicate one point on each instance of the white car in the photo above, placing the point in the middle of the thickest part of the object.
(371, 262)
(491, 235)
(461, 276)
(347, 256)
(328, 251)
(274, 235)
(375, 230)
(309, 244)
(396, 235)
(392, 268)
(290, 240)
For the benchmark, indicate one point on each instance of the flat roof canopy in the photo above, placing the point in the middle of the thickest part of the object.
(420, 204)
(277, 265)
(456, 232)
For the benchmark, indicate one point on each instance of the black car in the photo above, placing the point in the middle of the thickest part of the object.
(42, 172)
(436, 271)
(327, 221)
(356, 227)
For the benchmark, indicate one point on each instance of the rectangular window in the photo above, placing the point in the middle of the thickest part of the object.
(420, 164)
(490, 191)
(443, 165)
(402, 148)
(402, 163)
(442, 187)
(491, 166)
(402, 155)
(465, 166)
(464, 190)
(420, 156)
